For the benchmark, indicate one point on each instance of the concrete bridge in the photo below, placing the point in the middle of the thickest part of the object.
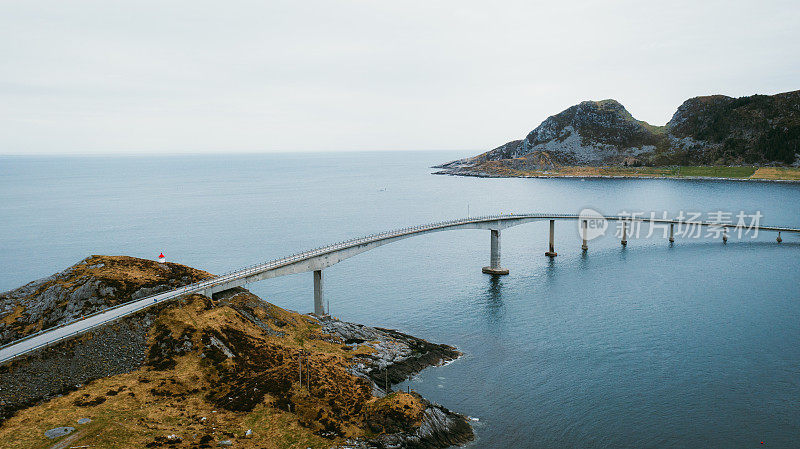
(316, 260)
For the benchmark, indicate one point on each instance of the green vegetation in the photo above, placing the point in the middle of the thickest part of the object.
(746, 130)
(640, 171)
(713, 171)
(707, 171)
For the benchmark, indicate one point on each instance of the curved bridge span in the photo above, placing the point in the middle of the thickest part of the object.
(316, 260)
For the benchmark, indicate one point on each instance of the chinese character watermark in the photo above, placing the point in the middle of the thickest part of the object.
(686, 224)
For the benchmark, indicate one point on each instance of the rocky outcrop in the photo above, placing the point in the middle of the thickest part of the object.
(394, 356)
(716, 129)
(91, 285)
(438, 428)
(592, 132)
(234, 354)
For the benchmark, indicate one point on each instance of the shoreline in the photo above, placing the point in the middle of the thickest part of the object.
(644, 176)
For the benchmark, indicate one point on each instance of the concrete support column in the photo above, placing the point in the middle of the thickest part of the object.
(672, 232)
(624, 241)
(494, 257)
(319, 308)
(779, 239)
(584, 230)
(552, 252)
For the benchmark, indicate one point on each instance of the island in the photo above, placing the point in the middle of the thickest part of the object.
(748, 138)
(232, 370)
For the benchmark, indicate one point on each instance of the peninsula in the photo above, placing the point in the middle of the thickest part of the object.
(232, 370)
(755, 138)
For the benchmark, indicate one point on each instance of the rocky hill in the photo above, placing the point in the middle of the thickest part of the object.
(760, 129)
(712, 130)
(229, 371)
(93, 284)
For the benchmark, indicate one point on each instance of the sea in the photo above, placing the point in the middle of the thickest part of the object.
(649, 345)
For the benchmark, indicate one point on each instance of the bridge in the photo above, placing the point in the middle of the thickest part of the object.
(317, 259)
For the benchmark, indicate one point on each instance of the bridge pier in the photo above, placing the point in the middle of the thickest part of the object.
(779, 239)
(319, 308)
(552, 252)
(494, 257)
(624, 241)
(672, 232)
(584, 226)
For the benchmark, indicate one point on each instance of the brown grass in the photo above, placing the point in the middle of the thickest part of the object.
(773, 173)
(783, 173)
(11, 317)
(133, 416)
(410, 406)
(133, 270)
(149, 404)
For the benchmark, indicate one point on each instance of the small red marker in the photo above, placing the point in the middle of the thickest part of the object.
(161, 258)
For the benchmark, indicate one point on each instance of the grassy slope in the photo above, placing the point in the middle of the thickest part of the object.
(176, 391)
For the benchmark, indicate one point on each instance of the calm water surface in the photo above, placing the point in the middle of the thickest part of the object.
(691, 345)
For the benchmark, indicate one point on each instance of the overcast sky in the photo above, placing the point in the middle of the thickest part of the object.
(200, 76)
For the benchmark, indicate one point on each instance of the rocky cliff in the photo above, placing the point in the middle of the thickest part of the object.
(201, 372)
(715, 130)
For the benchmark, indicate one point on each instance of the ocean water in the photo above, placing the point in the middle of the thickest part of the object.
(695, 344)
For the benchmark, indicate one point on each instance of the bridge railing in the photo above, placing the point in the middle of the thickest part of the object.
(243, 272)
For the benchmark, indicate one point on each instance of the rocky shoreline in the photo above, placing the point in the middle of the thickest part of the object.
(396, 357)
(440, 428)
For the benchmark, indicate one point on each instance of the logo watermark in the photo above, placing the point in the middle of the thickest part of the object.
(686, 224)
(591, 224)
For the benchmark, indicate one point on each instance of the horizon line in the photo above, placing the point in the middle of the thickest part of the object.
(220, 152)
